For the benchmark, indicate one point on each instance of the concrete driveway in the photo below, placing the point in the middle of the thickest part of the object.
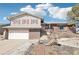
(8, 47)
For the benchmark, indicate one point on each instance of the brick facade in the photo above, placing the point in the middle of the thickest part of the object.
(34, 33)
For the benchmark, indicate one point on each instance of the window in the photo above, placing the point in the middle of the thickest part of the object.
(19, 21)
(27, 21)
(33, 21)
(23, 21)
(16, 21)
(61, 27)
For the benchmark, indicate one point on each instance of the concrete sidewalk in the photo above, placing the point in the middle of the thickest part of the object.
(15, 47)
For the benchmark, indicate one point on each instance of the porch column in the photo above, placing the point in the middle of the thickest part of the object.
(49, 26)
(5, 34)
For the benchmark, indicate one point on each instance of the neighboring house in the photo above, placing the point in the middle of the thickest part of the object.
(1, 29)
(23, 26)
(58, 27)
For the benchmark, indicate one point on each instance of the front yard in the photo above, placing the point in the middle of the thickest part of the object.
(42, 49)
(69, 45)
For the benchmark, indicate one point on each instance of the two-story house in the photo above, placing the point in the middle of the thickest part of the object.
(23, 26)
(27, 26)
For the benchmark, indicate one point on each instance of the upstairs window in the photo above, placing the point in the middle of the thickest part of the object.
(15, 21)
(33, 21)
(25, 21)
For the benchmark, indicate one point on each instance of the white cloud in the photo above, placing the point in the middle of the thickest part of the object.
(13, 13)
(44, 6)
(60, 13)
(27, 9)
(4, 18)
(40, 12)
(39, 9)
(45, 10)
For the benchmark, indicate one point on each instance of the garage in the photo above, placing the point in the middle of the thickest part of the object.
(18, 34)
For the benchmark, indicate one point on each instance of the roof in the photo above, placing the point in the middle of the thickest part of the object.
(55, 22)
(22, 14)
(32, 27)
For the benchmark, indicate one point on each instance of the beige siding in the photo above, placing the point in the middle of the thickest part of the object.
(34, 33)
(18, 30)
(26, 21)
(6, 33)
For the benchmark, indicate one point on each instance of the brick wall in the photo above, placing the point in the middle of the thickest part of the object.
(34, 33)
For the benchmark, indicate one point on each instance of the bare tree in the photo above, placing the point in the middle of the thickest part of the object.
(73, 14)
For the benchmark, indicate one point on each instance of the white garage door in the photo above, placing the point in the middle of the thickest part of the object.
(18, 35)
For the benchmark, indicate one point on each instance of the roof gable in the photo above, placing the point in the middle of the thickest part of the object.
(21, 15)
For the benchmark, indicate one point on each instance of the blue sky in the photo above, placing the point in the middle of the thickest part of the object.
(7, 9)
